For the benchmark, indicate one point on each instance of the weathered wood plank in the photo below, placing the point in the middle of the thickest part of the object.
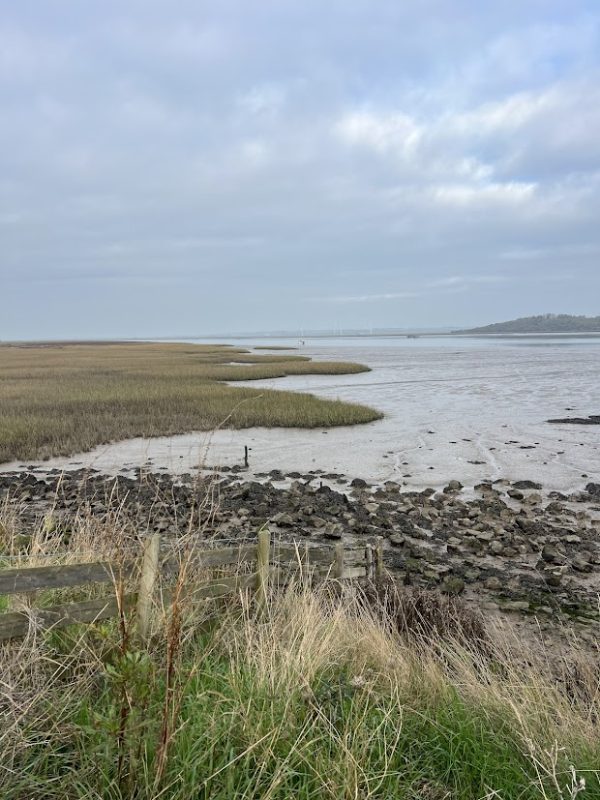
(61, 576)
(316, 555)
(16, 624)
(225, 556)
(350, 573)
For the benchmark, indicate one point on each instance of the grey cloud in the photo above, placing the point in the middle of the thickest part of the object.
(262, 156)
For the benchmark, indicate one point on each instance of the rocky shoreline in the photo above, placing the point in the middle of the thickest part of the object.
(509, 547)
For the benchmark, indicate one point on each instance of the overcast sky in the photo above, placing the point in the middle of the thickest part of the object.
(189, 167)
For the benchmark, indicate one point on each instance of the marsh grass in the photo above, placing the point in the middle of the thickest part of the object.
(56, 400)
(323, 695)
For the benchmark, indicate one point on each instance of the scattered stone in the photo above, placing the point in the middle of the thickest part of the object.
(494, 584)
(516, 605)
(527, 485)
(581, 563)
(551, 555)
(453, 486)
(434, 538)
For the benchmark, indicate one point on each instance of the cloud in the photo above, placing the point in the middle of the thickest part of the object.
(265, 100)
(250, 154)
(366, 298)
(467, 280)
(491, 194)
(397, 134)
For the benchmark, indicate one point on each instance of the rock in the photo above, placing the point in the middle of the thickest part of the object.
(453, 486)
(493, 583)
(533, 499)
(283, 519)
(317, 522)
(516, 605)
(552, 577)
(496, 547)
(551, 555)
(527, 485)
(397, 540)
(530, 526)
(581, 563)
(515, 494)
(358, 483)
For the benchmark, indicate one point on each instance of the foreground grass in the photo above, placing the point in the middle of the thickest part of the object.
(319, 696)
(61, 399)
(315, 700)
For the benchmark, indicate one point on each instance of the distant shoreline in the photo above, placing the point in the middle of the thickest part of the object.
(408, 335)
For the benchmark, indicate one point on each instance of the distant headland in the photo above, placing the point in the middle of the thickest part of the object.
(544, 323)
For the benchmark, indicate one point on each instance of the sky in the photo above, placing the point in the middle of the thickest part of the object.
(189, 168)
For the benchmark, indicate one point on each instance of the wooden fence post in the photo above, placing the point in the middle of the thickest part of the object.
(369, 562)
(379, 558)
(147, 583)
(263, 556)
(338, 566)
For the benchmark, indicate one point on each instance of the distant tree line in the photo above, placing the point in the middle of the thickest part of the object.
(544, 323)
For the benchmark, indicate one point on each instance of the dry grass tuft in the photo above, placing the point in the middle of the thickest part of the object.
(425, 615)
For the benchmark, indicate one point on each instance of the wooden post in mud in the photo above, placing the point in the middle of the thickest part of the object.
(338, 565)
(263, 556)
(246, 453)
(379, 558)
(147, 585)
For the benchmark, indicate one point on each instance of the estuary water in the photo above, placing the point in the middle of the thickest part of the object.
(469, 408)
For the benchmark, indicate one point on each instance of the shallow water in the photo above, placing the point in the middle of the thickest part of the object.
(463, 408)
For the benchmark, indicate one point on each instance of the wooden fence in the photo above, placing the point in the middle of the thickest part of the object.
(265, 561)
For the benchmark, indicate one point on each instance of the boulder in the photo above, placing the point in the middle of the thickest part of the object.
(551, 555)
(453, 486)
(581, 562)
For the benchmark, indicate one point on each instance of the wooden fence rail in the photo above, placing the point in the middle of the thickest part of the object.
(267, 560)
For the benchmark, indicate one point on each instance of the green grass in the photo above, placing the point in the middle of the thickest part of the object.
(311, 701)
(329, 736)
(319, 696)
(61, 399)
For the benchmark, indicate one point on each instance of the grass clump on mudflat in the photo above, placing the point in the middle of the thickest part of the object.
(59, 399)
